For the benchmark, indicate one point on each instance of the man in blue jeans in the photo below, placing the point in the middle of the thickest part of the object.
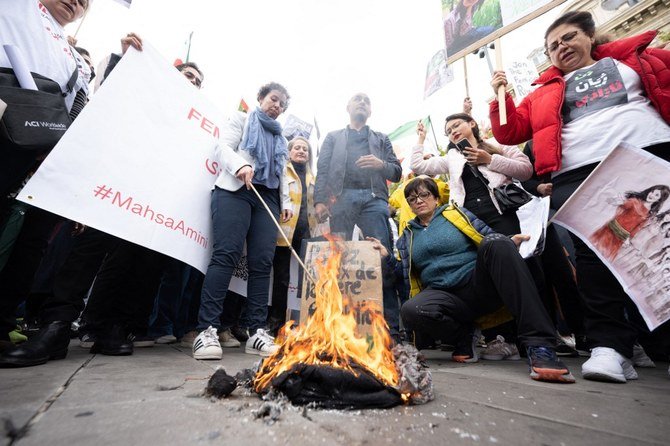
(353, 167)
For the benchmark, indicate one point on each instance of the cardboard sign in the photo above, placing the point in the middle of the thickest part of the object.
(360, 279)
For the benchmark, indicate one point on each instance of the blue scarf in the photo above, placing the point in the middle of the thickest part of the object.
(267, 146)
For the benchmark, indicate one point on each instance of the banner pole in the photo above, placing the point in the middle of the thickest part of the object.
(295, 254)
(465, 74)
(432, 128)
(81, 22)
(502, 109)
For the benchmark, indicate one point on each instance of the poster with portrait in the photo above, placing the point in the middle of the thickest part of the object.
(471, 24)
(624, 217)
(438, 73)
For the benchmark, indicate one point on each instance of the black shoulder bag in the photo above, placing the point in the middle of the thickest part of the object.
(34, 120)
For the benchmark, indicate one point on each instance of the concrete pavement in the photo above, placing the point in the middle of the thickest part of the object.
(154, 398)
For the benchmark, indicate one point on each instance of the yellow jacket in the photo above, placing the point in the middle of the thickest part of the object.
(405, 214)
(295, 195)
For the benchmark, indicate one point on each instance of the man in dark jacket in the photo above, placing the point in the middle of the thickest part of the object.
(353, 167)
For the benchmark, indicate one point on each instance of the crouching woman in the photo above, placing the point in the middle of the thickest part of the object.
(458, 270)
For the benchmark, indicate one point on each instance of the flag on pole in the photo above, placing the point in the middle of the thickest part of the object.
(243, 107)
(409, 128)
(125, 3)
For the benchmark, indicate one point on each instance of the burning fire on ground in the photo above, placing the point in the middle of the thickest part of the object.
(329, 341)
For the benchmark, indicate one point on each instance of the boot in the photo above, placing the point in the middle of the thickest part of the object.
(113, 343)
(50, 342)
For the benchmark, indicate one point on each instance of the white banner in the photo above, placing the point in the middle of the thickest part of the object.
(138, 161)
(622, 213)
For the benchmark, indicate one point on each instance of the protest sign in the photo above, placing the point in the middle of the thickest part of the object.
(469, 25)
(521, 74)
(533, 218)
(359, 279)
(624, 217)
(138, 162)
(438, 73)
(294, 126)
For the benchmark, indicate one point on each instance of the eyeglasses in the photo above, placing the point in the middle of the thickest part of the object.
(454, 126)
(565, 38)
(423, 196)
(193, 78)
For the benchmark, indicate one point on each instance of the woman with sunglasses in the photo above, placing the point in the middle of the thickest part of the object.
(592, 98)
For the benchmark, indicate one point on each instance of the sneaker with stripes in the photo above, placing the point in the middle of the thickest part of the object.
(206, 345)
(261, 343)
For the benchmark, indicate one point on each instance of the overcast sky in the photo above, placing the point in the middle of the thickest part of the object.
(322, 51)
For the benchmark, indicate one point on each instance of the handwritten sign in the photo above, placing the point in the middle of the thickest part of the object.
(359, 279)
(521, 74)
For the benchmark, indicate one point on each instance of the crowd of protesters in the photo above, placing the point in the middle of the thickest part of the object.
(452, 277)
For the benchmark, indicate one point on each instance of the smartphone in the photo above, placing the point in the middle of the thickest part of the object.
(463, 144)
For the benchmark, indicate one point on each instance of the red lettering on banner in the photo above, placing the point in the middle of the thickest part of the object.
(122, 204)
(180, 227)
(205, 123)
(212, 167)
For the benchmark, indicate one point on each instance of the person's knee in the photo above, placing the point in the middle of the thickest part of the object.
(409, 313)
(497, 242)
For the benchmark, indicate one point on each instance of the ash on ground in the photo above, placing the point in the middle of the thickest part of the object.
(415, 378)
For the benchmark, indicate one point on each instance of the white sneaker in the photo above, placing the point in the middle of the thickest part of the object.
(261, 344)
(227, 339)
(206, 345)
(606, 364)
(640, 358)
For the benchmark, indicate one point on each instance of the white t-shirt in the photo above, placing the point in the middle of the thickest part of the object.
(28, 25)
(604, 105)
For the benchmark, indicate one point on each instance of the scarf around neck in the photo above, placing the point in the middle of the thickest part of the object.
(266, 145)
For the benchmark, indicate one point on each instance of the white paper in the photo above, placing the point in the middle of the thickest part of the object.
(20, 67)
(3, 107)
(533, 218)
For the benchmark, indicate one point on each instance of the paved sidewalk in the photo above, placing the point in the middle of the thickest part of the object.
(154, 398)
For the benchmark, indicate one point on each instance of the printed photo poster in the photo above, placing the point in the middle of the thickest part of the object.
(138, 163)
(438, 73)
(622, 212)
(471, 24)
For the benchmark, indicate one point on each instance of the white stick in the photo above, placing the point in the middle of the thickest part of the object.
(295, 254)
(502, 108)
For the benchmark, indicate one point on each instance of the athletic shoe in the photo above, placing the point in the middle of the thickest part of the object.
(545, 366)
(498, 349)
(87, 340)
(565, 346)
(606, 364)
(261, 344)
(465, 350)
(640, 358)
(206, 345)
(141, 341)
(166, 339)
(228, 340)
(188, 339)
(241, 334)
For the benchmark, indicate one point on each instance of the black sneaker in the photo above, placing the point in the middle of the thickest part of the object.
(545, 366)
(114, 342)
(242, 334)
(465, 350)
(565, 346)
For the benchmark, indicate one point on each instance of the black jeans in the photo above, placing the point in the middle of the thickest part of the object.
(500, 277)
(17, 276)
(605, 301)
(75, 277)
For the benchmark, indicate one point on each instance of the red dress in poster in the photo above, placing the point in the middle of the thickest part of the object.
(628, 220)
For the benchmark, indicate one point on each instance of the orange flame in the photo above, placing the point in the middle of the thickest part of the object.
(329, 336)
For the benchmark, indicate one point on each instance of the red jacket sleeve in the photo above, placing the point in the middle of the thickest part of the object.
(518, 128)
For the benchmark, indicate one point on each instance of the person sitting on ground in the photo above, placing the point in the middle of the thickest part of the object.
(471, 272)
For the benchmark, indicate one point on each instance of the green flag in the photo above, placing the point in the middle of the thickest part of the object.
(408, 129)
